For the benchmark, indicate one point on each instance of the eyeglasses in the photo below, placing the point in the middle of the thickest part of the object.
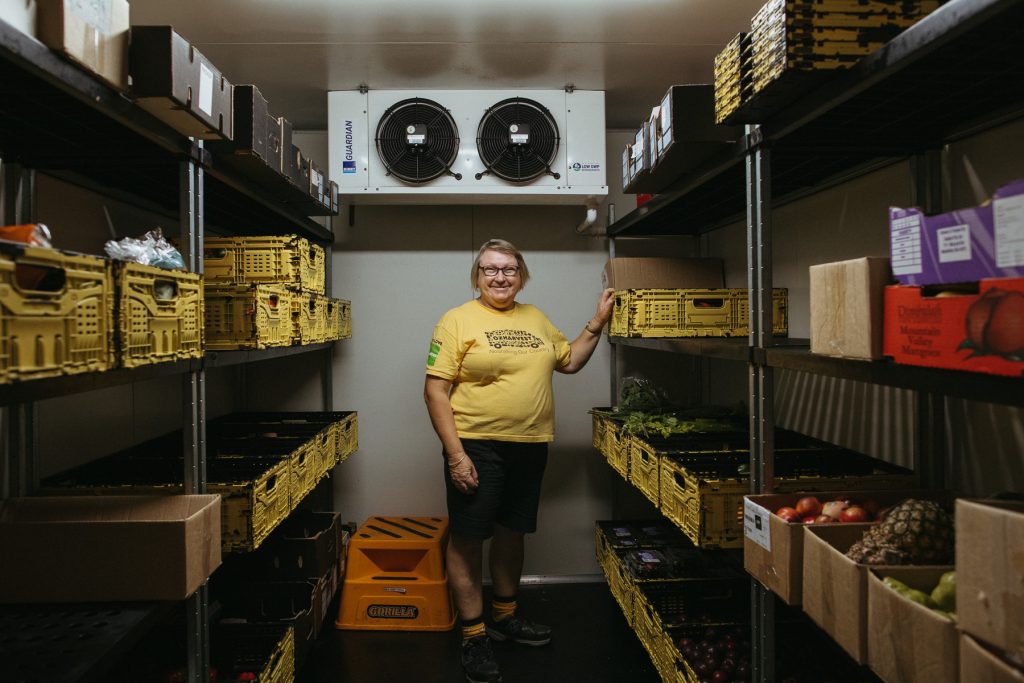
(507, 271)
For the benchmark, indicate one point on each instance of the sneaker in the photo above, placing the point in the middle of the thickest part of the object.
(478, 661)
(520, 630)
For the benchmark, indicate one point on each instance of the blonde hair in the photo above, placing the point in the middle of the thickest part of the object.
(503, 247)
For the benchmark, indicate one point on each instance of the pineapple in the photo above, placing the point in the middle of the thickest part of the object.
(914, 532)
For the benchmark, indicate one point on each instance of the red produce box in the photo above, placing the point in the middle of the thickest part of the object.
(981, 332)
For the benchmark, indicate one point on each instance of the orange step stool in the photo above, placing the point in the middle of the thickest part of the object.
(396, 579)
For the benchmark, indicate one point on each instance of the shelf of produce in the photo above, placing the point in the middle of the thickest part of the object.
(954, 73)
(59, 119)
(953, 383)
(50, 387)
(225, 358)
(78, 643)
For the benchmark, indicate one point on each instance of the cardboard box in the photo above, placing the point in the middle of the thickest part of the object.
(966, 245)
(256, 143)
(981, 332)
(990, 572)
(773, 550)
(93, 34)
(978, 664)
(835, 592)
(662, 273)
(847, 299)
(20, 14)
(908, 642)
(177, 84)
(107, 548)
(685, 134)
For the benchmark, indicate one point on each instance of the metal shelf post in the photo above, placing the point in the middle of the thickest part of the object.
(194, 421)
(19, 423)
(761, 395)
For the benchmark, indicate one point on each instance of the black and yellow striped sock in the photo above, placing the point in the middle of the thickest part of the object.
(503, 608)
(472, 628)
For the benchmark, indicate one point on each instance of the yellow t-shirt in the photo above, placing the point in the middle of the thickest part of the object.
(500, 364)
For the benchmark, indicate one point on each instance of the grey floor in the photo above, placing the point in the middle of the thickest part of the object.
(591, 642)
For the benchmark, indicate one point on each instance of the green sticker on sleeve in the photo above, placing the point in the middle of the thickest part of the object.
(435, 348)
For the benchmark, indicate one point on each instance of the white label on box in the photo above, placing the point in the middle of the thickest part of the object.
(205, 89)
(905, 240)
(954, 243)
(756, 524)
(1008, 216)
(96, 13)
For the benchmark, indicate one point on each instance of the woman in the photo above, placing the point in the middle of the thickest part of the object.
(488, 392)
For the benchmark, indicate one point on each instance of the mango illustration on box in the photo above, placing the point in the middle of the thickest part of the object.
(995, 325)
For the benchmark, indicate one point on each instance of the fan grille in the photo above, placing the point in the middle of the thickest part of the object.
(417, 159)
(518, 161)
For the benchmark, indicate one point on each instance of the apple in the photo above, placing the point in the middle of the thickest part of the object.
(833, 508)
(823, 519)
(790, 515)
(808, 506)
(854, 513)
(809, 519)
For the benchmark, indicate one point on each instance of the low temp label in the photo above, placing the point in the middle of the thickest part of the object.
(756, 526)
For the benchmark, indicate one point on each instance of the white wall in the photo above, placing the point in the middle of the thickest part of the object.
(403, 267)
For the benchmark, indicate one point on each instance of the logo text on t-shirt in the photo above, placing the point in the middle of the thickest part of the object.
(522, 339)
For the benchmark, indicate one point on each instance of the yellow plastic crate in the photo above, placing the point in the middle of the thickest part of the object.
(159, 314)
(644, 469)
(247, 317)
(267, 650)
(691, 313)
(309, 318)
(253, 508)
(606, 439)
(616, 575)
(348, 436)
(286, 260)
(56, 313)
(704, 497)
(339, 317)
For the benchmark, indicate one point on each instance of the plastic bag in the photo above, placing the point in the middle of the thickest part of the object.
(151, 250)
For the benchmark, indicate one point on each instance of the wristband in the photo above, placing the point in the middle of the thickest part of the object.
(596, 332)
(453, 465)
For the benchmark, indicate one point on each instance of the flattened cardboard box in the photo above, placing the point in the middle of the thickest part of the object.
(908, 642)
(980, 665)
(107, 548)
(93, 34)
(966, 245)
(663, 273)
(847, 299)
(176, 83)
(990, 572)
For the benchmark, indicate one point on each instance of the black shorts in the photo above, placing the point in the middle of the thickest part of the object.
(510, 475)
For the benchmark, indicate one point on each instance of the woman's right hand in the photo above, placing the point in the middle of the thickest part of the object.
(463, 473)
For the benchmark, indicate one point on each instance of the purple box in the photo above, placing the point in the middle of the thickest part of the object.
(968, 245)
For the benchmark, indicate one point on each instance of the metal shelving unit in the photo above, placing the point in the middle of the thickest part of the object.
(955, 73)
(58, 119)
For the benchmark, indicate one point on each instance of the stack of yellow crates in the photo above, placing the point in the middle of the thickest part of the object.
(732, 77)
(811, 35)
(268, 291)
